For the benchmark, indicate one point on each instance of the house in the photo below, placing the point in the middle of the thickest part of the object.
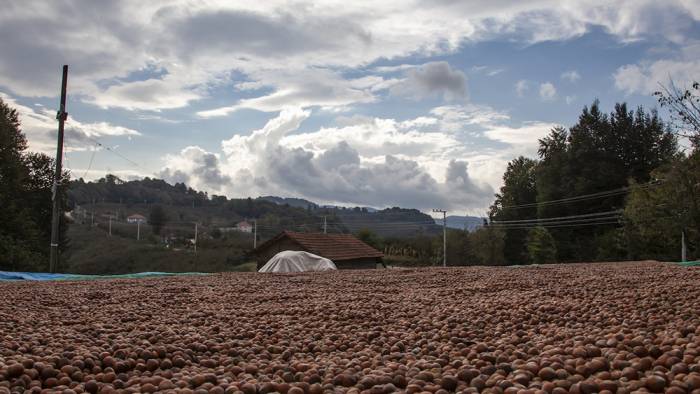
(346, 251)
(136, 218)
(244, 227)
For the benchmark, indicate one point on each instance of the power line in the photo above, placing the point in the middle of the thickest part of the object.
(584, 220)
(606, 213)
(584, 197)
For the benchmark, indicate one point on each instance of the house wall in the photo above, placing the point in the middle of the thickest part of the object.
(358, 264)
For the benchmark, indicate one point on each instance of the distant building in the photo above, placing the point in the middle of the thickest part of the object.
(346, 251)
(244, 227)
(136, 218)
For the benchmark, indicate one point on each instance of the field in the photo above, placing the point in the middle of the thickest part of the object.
(581, 328)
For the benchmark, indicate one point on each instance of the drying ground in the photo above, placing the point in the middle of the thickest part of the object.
(613, 327)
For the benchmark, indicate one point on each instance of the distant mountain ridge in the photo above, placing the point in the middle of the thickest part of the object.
(470, 223)
(291, 201)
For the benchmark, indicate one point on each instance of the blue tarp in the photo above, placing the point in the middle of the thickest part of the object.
(7, 275)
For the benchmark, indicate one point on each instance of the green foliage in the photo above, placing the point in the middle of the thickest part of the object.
(519, 187)
(541, 246)
(26, 181)
(488, 246)
(370, 238)
(656, 216)
(599, 153)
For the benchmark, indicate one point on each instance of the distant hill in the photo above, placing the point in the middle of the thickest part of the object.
(291, 201)
(461, 222)
(111, 196)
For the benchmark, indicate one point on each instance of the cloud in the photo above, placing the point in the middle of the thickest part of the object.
(646, 77)
(571, 76)
(377, 162)
(521, 87)
(547, 91)
(151, 94)
(197, 168)
(198, 46)
(570, 99)
(39, 125)
(306, 89)
(431, 79)
(446, 158)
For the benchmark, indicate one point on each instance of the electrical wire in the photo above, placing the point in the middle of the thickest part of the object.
(606, 213)
(584, 197)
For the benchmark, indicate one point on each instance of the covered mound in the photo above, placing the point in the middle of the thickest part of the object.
(294, 261)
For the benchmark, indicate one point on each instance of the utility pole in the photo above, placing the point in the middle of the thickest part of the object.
(195, 238)
(138, 230)
(444, 235)
(255, 234)
(325, 225)
(56, 214)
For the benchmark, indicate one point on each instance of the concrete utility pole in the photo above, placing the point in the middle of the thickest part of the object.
(325, 225)
(56, 214)
(138, 230)
(444, 235)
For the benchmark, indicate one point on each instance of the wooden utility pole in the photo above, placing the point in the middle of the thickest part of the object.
(62, 115)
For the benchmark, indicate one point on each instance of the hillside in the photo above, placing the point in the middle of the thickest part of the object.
(101, 240)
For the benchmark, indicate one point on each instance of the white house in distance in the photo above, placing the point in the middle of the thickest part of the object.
(244, 227)
(136, 218)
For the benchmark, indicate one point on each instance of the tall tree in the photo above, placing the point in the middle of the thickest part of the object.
(599, 153)
(518, 189)
(26, 181)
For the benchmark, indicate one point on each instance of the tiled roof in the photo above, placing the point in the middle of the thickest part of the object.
(336, 247)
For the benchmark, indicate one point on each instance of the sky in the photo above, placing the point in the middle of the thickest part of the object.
(418, 104)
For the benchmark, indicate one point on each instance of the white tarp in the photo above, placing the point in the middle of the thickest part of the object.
(293, 261)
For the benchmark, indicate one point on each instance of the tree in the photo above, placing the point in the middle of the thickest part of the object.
(370, 238)
(458, 248)
(26, 181)
(488, 245)
(541, 246)
(518, 189)
(656, 216)
(157, 218)
(599, 153)
(684, 105)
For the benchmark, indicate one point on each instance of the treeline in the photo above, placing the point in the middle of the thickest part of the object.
(611, 187)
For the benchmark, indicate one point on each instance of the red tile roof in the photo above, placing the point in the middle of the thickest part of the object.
(336, 247)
